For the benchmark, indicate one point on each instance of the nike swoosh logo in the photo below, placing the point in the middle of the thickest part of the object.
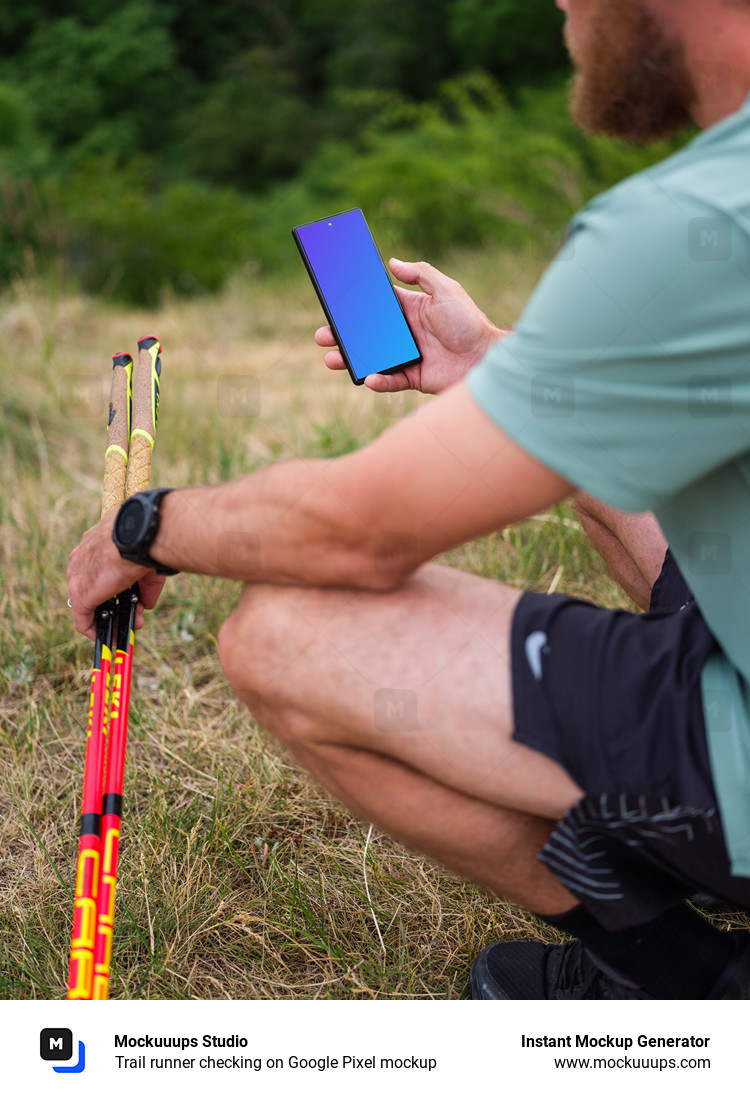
(535, 643)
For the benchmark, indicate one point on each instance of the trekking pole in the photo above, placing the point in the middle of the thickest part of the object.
(145, 416)
(81, 970)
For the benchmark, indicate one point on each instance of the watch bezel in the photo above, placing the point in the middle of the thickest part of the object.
(131, 545)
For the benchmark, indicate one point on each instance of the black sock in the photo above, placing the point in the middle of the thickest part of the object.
(676, 956)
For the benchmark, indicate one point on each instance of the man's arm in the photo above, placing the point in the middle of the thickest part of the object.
(365, 520)
(632, 545)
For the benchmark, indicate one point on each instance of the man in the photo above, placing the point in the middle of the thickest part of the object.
(589, 764)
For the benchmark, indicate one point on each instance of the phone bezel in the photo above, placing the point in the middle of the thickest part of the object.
(324, 304)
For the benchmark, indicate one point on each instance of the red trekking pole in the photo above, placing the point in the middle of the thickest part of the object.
(81, 971)
(145, 415)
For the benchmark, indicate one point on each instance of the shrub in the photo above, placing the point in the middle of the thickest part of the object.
(131, 241)
(466, 169)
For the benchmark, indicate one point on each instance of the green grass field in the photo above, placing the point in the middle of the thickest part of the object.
(239, 877)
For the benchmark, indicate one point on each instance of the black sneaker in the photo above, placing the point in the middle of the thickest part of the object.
(715, 904)
(527, 971)
(522, 970)
(734, 982)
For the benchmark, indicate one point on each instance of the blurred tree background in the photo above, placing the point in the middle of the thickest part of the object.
(190, 136)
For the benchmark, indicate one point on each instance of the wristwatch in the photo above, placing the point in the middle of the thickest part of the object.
(136, 527)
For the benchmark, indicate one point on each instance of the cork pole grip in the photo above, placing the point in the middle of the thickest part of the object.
(118, 434)
(139, 467)
(145, 415)
(115, 474)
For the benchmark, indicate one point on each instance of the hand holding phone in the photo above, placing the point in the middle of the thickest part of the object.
(357, 296)
(450, 329)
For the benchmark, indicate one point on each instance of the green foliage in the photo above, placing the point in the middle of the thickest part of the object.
(30, 228)
(213, 86)
(22, 152)
(389, 44)
(185, 139)
(604, 161)
(16, 126)
(253, 127)
(469, 172)
(106, 88)
(515, 41)
(132, 242)
(466, 169)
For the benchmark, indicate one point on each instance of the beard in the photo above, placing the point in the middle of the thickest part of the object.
(631, 78)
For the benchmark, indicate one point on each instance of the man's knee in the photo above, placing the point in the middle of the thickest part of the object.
(255, 647)
(229, 645)
(247, 639)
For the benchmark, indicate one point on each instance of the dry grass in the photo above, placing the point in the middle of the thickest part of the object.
(239, 877)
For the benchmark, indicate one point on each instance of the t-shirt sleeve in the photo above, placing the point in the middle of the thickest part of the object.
(629, 371)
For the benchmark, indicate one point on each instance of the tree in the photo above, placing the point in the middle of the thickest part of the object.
(107, 88)
(516, 40)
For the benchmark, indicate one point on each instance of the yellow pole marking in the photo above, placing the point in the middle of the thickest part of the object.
(142, 431)
(116, 447)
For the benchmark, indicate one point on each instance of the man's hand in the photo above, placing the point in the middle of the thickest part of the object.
(96, 572)
(452, 332)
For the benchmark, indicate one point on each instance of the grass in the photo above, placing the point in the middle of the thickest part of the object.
(239, 877)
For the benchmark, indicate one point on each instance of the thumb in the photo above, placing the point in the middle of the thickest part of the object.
(419, 274)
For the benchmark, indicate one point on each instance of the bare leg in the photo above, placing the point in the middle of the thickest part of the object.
(492, 847)
(632, 545)
(401, 705)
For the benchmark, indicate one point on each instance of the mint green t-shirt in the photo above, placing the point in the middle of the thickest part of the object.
(629, 375)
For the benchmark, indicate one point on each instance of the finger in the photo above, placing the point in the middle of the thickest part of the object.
(407, 296)
(150, 588)
(334, 360)
(420, 274)
(411, 302)
(83, 617)
(387, 383)
(324, 337)
(83, 622)
(139, 620)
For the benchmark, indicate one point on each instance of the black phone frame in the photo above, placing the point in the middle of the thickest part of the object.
(324, 304)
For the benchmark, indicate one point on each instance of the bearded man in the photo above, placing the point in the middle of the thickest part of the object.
(589, 764)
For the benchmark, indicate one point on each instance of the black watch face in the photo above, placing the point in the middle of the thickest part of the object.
(130, 523)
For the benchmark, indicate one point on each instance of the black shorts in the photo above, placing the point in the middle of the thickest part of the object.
(615, 698)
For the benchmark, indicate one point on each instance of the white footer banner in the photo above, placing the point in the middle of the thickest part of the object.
(389, 1049)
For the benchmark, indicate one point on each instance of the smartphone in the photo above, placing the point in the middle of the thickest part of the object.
(357, 295)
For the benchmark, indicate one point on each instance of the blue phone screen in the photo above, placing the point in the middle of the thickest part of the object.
(358, 293)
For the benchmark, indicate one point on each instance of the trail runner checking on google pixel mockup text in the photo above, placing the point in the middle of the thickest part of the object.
(591, 765)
